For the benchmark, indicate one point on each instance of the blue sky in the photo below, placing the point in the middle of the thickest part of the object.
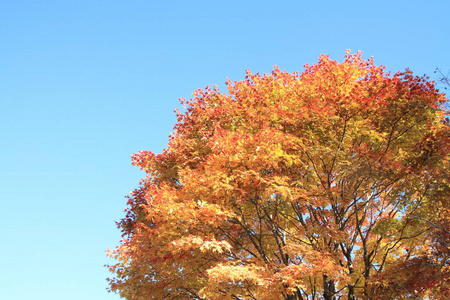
(84, 84)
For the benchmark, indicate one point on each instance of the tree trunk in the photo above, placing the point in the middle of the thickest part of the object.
(328, 288)
(351, 292)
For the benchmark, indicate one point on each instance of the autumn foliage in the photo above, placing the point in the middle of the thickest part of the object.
(329, 184)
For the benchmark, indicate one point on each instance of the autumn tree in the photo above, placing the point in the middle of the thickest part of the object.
(329, 184)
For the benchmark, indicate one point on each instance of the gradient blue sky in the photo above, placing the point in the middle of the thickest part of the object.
(83, 84)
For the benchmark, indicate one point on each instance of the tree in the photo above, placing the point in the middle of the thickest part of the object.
(329, 184)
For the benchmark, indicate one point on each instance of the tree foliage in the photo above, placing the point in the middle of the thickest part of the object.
(329, 184)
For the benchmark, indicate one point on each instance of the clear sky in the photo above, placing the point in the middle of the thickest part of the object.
(84, 84)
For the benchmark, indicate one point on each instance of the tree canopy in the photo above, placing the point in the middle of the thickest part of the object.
(332, 183)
